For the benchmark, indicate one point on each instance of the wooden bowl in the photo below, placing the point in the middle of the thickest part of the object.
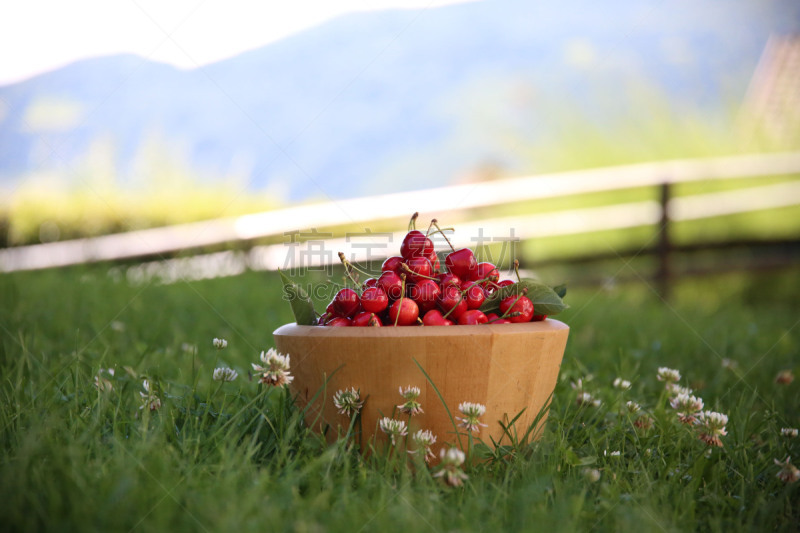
(509, 368)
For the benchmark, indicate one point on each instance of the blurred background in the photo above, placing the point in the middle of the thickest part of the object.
(664, 133)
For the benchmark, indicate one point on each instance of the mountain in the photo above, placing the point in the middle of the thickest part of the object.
(390, 100)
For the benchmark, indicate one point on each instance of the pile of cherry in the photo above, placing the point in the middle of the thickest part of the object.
(413, 290)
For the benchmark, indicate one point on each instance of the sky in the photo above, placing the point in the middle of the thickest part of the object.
(41, 35)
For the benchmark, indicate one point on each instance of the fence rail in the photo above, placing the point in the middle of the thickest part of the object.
(446, 200)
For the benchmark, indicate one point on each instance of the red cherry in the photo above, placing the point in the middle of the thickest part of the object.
(366, 319)
(461, 263)
(434, 259)
(488, 272)
(371, 282)
(434, 318)
(425, 292)
(448, 322)
(492, 316)
(416, 244)
(471, 318)
(419, 268)
(501, 321)
(473, 294)
(331, 310)
(538, 318)
(392, 264)
(374, 300)
(448, 278)
(346, 302)
(339, 321)
(452, 299)
(392, 284)
(403, 312)
(523, 306)
(492, 287)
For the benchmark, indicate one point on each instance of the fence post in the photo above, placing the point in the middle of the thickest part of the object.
(664, 274)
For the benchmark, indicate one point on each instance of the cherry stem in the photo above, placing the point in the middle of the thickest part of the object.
(510, 307)
(443, 235)
(407, 268)
(441, 231)
(515, 313)
(460, 297)
(428, 233)
(516, 269)
(348, 269)
(361, 270)
(412, 224)
(402, 295)
(479, 281)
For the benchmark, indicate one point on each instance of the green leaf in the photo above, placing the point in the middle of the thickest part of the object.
(561, 290)
(572, 459)
(302, 306)
(483, 451)
(546, 300)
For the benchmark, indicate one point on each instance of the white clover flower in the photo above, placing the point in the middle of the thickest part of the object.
(471, 411)
(788, 473)
(348, 401)
(712, 427)
(149, 397)
(622, 384)
(409, 393)
(188, 348)
(411, 406)
(394, 428)
(633, 407)
(687, 407)
(668, 375)
(615, 453)
(591, 474)
(789, 432)
(276, 369)
(577, 385)
(101, 383)
(225, 374)
(674, 389)
(424, 439)
(450, 467)
(784, 377)
(584, 398)
(219, 344)
(644, 422)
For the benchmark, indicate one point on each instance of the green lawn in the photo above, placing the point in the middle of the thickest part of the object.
(234, 457)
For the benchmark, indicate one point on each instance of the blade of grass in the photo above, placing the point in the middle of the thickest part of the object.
(441, 399)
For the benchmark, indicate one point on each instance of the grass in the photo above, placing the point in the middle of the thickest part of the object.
(235, 456)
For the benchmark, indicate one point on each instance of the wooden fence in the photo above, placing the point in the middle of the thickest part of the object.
(161, 244)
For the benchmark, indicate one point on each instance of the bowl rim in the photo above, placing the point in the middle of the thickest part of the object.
(543, 326)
